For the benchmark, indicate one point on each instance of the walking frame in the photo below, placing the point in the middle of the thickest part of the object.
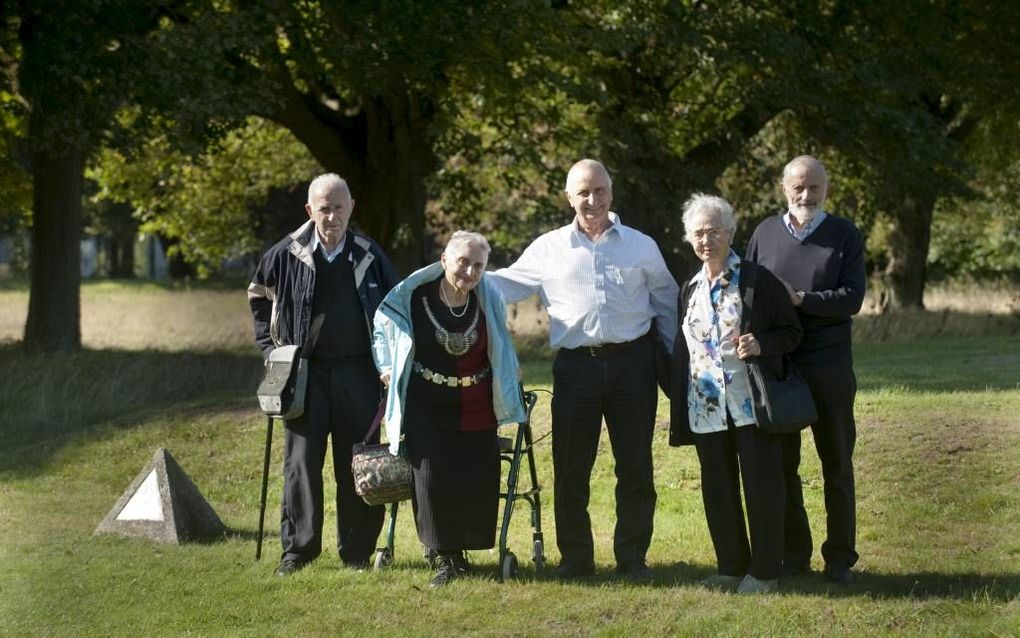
(512, 452)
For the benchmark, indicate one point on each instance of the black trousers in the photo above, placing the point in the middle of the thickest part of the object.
(620, 387)
(745, 453)
(342, 400)
(833, 389)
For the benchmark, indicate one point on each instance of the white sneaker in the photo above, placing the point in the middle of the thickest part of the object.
(722, 581)
(751, 585)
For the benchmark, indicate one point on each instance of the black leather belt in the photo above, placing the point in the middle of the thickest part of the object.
(606, 349)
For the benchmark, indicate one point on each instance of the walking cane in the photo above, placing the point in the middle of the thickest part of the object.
(265, 485)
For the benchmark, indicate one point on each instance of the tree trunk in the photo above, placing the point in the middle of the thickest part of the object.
(391, 197)
(54, 307)
(906, 271)
(385, 155)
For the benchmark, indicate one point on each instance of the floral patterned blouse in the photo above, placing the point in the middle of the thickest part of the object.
(718, 376)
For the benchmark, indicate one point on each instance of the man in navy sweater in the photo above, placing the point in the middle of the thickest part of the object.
(820, 259)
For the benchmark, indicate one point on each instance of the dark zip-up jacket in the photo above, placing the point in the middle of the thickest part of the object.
(280, 293)
(773, 322)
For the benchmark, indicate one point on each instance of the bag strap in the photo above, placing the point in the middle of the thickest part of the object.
(749, 278)
(376, 421)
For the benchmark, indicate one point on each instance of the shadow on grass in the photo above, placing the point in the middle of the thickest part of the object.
(1002, 587)
(50, 400)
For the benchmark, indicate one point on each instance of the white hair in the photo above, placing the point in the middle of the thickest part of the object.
(805, 160)
(325, 183)
(711, 207)
(586, 164)
(466, 237)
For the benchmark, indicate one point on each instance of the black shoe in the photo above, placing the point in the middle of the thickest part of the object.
(358, 564)
(838, 575)
(571, 570)
(445, 572)
(461, 563)
(792, 570)
(431, 557)
(289, 566)
(636, 570)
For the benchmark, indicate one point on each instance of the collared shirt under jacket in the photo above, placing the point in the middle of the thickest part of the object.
(280, 293)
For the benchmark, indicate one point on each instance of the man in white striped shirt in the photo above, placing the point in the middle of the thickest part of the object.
(603, 284)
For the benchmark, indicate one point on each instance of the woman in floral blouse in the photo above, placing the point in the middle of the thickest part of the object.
(712, 405)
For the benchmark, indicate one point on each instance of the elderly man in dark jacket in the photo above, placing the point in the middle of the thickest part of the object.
(324, 274)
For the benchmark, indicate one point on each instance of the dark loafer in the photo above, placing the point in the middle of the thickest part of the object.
(838, 575)
(461, 563)
(571, 570)
(792, 570)
(289, 566)
(636, 571)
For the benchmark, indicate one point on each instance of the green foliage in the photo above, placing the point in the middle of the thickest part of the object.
(979, 238)
(211, 203)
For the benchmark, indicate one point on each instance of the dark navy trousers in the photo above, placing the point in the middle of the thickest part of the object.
(343, 396)
(621, 388)
(833, 388)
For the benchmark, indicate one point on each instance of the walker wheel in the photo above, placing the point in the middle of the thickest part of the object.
(383, 559)
(509, 566)
(539, 556)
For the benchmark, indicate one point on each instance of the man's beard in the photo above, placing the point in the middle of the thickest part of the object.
(804, 214)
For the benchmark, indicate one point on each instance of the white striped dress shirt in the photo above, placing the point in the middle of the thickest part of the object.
(600, 292)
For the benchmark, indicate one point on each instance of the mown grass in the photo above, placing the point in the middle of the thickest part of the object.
(938, 478)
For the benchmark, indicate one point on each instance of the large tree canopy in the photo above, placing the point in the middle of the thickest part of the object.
(443, 113)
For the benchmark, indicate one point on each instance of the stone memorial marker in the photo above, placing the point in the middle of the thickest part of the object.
(162, 504)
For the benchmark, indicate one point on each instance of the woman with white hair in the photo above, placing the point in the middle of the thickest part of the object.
(720, 327)
(442, 346)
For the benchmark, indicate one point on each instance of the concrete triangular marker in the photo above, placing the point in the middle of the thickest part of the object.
(162, 504)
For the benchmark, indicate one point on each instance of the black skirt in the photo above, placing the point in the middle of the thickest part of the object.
(456, 486)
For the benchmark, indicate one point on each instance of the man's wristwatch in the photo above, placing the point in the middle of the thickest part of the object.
(800, 297)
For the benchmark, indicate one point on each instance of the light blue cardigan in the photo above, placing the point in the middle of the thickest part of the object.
(393, 349)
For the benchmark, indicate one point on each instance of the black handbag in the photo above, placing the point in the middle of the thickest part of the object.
(782, 405)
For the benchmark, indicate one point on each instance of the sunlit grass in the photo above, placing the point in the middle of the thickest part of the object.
(938, 488)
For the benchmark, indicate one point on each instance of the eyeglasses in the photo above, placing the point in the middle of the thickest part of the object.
(711, 234)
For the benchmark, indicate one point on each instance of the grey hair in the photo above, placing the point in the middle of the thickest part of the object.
(710, 206)
(468, 238)
(587, 164)
(325, 183)
(805, 160)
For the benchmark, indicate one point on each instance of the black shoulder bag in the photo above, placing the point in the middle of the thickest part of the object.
(283, 388)
(781, 405)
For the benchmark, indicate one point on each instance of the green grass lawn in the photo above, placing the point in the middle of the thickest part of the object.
(938, 466)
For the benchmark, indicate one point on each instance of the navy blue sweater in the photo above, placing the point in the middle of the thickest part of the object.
(829, 267)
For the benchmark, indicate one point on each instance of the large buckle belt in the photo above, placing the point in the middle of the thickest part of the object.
(452, 382)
